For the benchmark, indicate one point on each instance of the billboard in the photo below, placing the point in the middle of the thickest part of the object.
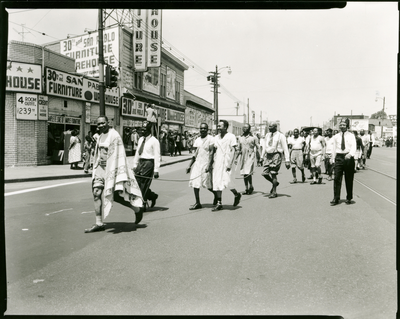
(85, 50)
(151, 80)
(358, 124)
(76, 87)
(23, 77)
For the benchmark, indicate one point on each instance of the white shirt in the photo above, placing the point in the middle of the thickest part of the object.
(365, 139)
(329, 145)
(297, 143)
(349, 142)
(277, 144)
(151, 150)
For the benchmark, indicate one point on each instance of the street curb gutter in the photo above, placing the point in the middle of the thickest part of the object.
(49, 178)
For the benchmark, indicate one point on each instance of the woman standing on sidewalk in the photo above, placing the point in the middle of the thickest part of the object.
(74, 150)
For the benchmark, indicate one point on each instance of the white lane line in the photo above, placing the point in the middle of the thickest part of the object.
(59, 211)
(40, 188)
(376, 193)
(88, 212)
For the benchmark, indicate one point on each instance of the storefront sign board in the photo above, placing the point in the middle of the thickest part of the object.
(26, 108)
(43, 108)
(75, 87)
(23, 77)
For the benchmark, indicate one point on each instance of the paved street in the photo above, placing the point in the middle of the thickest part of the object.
(294, 254)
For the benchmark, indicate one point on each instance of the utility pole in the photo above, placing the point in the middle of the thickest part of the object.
(216, 95)
(248, 112)
(101, 65)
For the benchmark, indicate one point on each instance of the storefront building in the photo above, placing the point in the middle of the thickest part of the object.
(45, 101)
(197, 111)
(65, 90)
(161, 86)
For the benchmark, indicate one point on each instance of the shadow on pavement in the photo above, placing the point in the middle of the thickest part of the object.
(117, 228)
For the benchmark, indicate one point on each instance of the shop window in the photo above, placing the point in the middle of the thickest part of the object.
(163, 85)
(139, 80)
(177, 91)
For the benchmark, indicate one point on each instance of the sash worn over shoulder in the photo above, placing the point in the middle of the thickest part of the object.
(119, 177)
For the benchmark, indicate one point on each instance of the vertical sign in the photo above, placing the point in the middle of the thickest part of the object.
(154, 38)
(140, 34)
(43, 108)
(87, 109)
(26, 106)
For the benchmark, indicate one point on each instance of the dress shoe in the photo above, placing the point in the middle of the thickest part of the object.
(217, 207)
(153, 201)
(334, 202)
(196, 206)
(329, 178)
(237, 199)
(251, 190)
(294, 181)
(273, 195)
(348, 201)
(95, 228)
(313, 183)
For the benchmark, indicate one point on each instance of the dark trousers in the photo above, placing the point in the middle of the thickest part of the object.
(345, 166)
(370, 150)
(144, 175)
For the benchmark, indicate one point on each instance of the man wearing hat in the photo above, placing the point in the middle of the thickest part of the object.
(344, 148)
(273, 146)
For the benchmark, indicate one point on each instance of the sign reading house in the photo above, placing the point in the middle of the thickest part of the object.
(24, 77)
(76, 87)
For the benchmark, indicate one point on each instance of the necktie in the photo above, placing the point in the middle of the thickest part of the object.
(142, 146)
(343, 145)
(270, 140)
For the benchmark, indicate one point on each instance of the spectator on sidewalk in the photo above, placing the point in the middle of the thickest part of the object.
(74, 150)
(134, 140)
(178, 143)
(171, 143)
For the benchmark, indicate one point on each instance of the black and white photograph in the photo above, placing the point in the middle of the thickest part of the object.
(199, 158)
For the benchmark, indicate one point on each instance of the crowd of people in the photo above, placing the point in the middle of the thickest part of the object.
(215, 156)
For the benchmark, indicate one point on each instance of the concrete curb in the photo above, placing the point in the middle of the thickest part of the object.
(83, 175)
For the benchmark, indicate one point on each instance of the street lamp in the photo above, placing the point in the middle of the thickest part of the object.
(214, 78)
(383, 111)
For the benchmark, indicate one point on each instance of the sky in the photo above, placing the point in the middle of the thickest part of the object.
(300, 67)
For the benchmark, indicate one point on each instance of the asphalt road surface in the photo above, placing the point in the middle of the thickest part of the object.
(292, 255)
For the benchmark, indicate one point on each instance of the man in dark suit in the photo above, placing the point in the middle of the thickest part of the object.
(344, 148)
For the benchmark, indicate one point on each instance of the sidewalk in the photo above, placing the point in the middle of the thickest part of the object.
(52, 172)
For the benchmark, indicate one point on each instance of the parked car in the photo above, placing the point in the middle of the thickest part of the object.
(378, 142)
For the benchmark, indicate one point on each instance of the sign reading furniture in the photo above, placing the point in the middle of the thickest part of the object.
(75, 87)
